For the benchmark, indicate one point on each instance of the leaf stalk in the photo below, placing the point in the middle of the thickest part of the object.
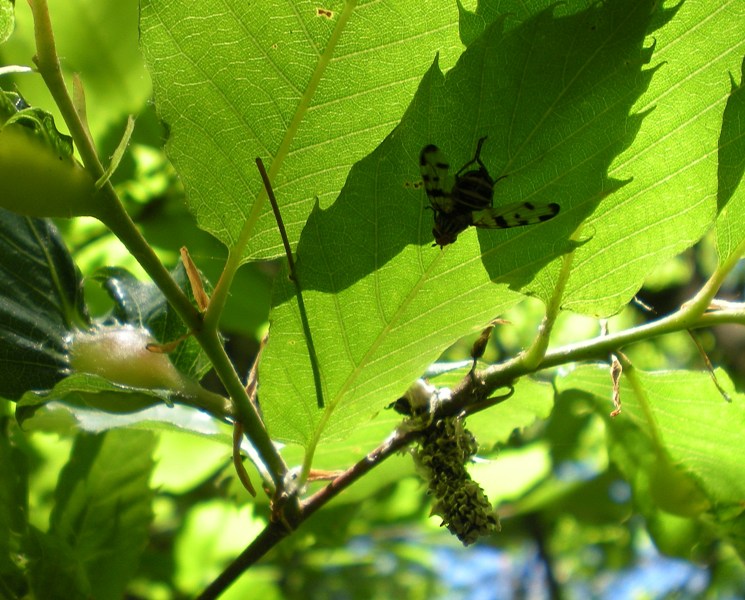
(111, 212)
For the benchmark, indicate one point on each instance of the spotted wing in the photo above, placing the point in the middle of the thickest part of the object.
(438, 183)
(514, 215)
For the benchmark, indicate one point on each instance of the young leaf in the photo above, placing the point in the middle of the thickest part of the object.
(102, 506)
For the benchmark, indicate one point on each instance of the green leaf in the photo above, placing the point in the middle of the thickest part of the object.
(67, 420)
(730, 194)
(102, 508)
(309, 93)
(671, 201)
(41, 303)
(674, 441)
(207, 542)
(473, 24)
(7, 19)
(54, 570)
(382, 304)
(15, 111)
(89, 390)
(531, 401)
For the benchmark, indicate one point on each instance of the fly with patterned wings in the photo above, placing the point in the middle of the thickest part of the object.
(467, 198)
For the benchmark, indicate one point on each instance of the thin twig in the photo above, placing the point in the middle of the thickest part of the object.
(240, 469)
(275, 532)
(293, 276)
(277, 216)
(534, 355)
(709, 367)
(488, 403)
(272, 534)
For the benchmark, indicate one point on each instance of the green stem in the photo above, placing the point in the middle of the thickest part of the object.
(249, 418)
(47, 61)
(533, 355)
(700, 303)
(115, 217)
(111, 212)
(222, 288)
(599, 347)
(691, 315)
(120, 223)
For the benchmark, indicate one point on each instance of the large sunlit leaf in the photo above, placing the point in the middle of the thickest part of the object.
(382, 303)
(671, 201)
(310, 88)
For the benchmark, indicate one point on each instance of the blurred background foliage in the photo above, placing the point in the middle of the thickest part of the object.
(569, 527)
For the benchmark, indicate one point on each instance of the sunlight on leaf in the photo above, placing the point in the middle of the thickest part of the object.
(675, 443)
(235, 83)
(671, 201)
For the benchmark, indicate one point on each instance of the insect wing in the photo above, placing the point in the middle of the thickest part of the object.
(514, 215)
(434, 167)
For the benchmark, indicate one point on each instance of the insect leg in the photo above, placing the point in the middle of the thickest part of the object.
(476, 159)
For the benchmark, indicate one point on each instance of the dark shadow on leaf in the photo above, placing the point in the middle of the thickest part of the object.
(732, 143)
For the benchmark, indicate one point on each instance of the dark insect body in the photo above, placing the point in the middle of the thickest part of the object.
(466, 199)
